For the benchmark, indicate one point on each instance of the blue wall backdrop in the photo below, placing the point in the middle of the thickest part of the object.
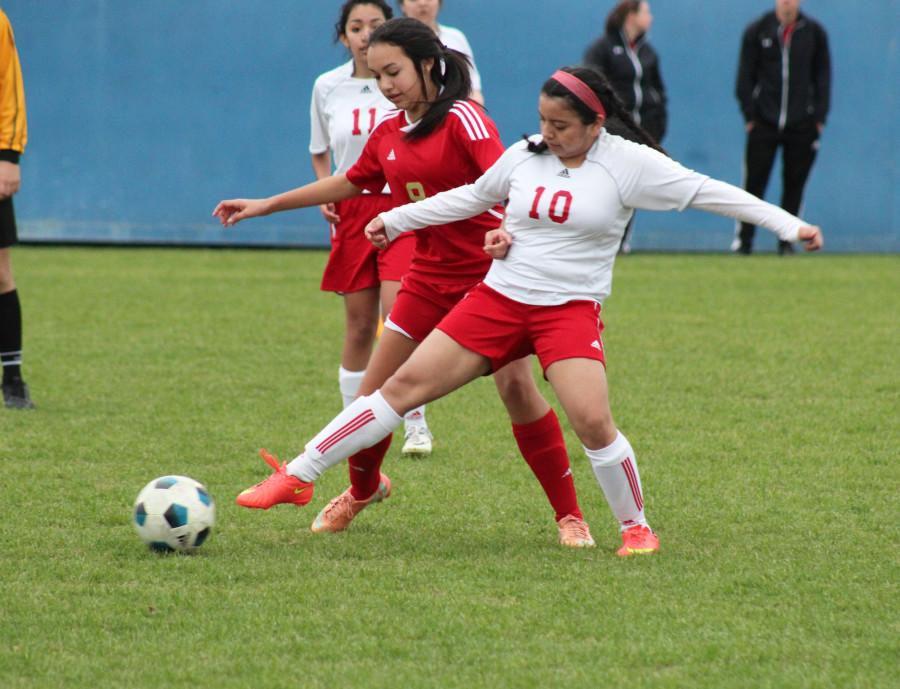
(142, 115)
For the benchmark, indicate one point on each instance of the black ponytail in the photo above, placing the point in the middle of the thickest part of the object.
(618, 119)
(450, 72)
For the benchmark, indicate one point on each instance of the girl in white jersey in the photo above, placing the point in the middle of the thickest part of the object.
(570, 194)
(426, 11)
(346, 105)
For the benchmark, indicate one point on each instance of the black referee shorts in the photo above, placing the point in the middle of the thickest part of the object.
(8, 235)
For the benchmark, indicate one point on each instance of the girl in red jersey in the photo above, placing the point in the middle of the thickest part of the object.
(571, 192)
(436, 140)
(346, 105)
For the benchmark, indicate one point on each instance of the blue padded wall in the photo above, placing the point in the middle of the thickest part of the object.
(142, 115)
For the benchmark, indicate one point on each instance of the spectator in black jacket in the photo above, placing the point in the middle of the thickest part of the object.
(783, 86)
(631, 64)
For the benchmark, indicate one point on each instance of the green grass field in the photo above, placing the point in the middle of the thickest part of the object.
(761, 396)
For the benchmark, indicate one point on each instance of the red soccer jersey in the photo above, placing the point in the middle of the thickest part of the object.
(457, 152)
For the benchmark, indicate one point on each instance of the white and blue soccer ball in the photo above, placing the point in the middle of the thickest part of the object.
(174, 513)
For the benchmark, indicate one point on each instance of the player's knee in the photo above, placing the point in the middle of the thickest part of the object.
(515, 385)
(406, 386)
(361, 337)
(595, 428)
(7, 284)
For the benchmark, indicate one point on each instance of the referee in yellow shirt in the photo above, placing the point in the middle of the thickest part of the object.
(13, 137)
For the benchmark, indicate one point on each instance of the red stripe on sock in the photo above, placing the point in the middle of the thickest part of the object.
(343, 433)
(633, 482)
(347, 429)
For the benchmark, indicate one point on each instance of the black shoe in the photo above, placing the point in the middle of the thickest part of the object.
(785, 248)
(15, 395)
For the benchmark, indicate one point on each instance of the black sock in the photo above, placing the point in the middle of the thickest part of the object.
(11, 336)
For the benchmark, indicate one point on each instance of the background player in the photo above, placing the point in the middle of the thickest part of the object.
(426, 11)
(435, 121)
(570, 192)
(13, 137)
(346, 105)
(625, 56)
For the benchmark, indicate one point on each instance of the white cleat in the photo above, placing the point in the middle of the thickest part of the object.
(417, 442)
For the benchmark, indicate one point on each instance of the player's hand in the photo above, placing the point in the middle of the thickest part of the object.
(749, 126)
(497, 243)
(376, 233)
(329, 213)
(10, 179)
(811, 236)
(233, 211)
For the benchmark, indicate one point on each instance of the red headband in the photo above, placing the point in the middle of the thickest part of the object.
(580, 90)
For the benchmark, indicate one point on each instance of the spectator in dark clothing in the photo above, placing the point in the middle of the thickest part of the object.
(631, 64)
(783, 87)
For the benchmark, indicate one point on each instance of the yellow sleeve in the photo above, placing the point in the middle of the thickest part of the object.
(13, 124)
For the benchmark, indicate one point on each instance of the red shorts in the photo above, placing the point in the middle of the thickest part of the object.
(504, 330)
(421, 305)
(354, 263)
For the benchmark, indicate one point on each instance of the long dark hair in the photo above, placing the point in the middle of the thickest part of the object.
(615, 20)
(618, 119)
(340, 27)
(450, 71)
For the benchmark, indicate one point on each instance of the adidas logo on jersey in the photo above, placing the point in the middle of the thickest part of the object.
(564, 173)
(366, 89)
(391, 155)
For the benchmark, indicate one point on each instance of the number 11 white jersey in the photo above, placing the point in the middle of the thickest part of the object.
(343, 112)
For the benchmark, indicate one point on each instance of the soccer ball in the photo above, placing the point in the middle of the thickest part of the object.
(174, 513)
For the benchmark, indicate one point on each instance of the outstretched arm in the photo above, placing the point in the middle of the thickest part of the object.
(328, 190)
(440, 209)
(725, 199)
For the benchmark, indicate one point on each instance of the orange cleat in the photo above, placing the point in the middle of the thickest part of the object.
(279, 488)
(338, 513)
(638, 540)
(574, 532)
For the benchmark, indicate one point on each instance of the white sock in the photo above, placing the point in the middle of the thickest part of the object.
(349, 382)
(415, 417)
(617, 473)
(362, 424)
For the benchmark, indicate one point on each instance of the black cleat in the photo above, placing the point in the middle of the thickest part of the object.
(15, 395)
(785, 248)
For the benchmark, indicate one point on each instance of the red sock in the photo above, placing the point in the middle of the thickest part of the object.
(541, 444)
(365, 469)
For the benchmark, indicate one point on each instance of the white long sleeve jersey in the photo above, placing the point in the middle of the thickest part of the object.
(343, 111)
(567, 223)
